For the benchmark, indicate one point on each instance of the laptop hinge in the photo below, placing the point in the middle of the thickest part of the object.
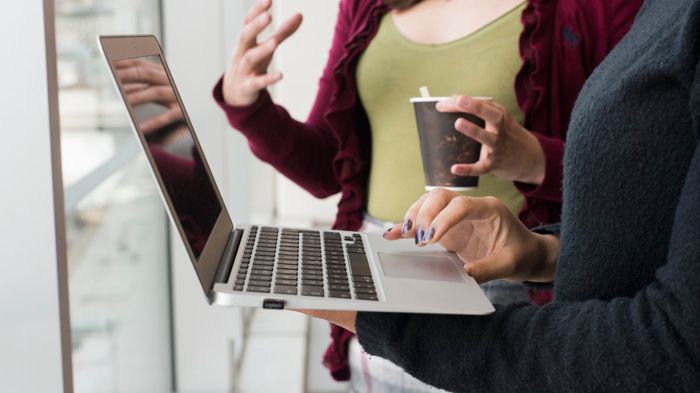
(226, 263)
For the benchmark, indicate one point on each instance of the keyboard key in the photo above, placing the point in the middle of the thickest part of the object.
(286, 276)
(258, 289)
(362, 279)
(336, 287)
(292, 283)
(364, 285)
(238, 288)
(259, 283)
(339, 294)
(359, 265)
(285, 290)
(366, 291)
(312, 291)
(363, 296)
(316, 283)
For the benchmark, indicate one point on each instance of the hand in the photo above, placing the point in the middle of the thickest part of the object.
(508, 149)
(147, 82)
(491, 241)
(344, 319)
(247, 74)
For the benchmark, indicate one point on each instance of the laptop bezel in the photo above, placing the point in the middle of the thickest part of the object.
(119, 47)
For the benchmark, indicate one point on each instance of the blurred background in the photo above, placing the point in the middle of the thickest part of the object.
(139, 321)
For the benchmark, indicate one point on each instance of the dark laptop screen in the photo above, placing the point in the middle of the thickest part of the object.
(159, 118)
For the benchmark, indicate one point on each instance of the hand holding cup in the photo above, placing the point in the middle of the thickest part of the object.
(508, 149)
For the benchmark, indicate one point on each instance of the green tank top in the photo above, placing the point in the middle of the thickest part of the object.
(390, 72)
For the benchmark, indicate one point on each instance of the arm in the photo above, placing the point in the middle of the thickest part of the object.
(302, 151)
(649, 342)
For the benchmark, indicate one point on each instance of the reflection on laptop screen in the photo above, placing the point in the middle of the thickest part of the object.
(159, 118)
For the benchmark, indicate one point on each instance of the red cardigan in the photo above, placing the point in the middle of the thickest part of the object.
(561, 43)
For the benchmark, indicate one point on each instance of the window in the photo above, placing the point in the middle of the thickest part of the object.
(117, 228)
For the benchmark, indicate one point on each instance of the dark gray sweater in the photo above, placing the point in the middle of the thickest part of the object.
(626, 310)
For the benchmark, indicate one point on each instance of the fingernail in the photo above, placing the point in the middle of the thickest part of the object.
(463, 102)
(407, 225)
(429, 235)
(386, 233)
(419, 234)
(439, 105)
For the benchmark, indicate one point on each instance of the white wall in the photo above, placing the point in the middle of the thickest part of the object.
(301, 59)
(34, 357)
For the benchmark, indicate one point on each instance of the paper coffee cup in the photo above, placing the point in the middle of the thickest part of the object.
(442, 145)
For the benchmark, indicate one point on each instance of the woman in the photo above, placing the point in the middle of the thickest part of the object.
(625, 261)
(348, 143)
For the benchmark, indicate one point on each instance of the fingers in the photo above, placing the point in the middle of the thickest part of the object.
(139, 74)
(256, 56)
(435, 202)
(258, 8)
(486, 110)
(164, 119)
(492, 267)
(261, 82)
(251, 30)
(475, 132)
(155, 94)
(344, 319)
(447, 209)
(289, 27)
(479, 168)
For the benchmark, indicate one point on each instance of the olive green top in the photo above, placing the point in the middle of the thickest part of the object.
(390, 72)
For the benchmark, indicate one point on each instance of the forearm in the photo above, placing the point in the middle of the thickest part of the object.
(558, 347)
(302, 152)
(648, 342)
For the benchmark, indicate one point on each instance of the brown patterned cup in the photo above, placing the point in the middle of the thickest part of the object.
(442, 145)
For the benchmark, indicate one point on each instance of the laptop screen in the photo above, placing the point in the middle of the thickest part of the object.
(159, 119)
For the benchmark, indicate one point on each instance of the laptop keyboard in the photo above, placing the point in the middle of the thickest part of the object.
(303, 262)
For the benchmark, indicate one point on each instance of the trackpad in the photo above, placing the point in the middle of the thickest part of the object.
(420, 267)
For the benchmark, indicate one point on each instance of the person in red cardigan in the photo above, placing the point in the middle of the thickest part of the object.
(562, 41)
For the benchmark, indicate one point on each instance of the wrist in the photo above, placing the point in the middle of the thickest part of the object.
(535, 168)
(548, 246)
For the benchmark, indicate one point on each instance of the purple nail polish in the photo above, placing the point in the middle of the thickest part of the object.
(429, 235)
(407, 225)
(419, 234)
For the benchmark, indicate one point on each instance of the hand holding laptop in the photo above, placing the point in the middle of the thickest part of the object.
(247, 73)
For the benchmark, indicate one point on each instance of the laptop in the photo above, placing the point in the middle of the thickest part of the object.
(269, 266)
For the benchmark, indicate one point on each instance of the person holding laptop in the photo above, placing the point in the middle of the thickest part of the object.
(531, 56)
(624, 262)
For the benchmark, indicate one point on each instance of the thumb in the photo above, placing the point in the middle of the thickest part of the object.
(489, 268)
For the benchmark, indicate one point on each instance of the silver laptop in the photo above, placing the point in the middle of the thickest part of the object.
(267, 266)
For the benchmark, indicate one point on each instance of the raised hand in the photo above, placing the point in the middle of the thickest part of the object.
(247, 73)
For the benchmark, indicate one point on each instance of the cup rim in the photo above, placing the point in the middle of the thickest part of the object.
(436, 99)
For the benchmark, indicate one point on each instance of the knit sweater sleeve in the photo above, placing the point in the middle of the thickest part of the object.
(302, 151)
(649, 342)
